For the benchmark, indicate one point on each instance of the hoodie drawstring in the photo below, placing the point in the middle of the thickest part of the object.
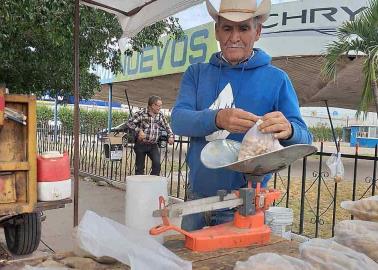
(239, 85)
(218, 83)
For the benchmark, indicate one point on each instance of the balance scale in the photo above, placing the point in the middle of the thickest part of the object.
(248, 225)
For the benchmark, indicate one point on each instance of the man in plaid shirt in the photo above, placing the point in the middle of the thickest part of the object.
(148, 124)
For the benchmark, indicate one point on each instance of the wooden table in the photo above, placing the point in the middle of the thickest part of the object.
(225, 259)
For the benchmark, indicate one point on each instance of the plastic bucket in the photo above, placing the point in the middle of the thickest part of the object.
(142, 198)
(280, 220)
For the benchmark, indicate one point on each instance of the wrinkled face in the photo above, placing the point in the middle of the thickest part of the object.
(236, 39)
(156, 106)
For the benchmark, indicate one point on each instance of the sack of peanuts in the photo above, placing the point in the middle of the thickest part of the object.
(257, 143)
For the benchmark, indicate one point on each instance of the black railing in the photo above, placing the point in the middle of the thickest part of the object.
(306, 185)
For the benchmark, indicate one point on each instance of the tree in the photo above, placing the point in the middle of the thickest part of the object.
(358, 37)
(36, 45)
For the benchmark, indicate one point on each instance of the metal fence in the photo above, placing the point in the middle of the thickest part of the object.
(306, 185)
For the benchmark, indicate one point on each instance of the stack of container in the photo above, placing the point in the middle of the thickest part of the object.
(53, 176)
(280, 221)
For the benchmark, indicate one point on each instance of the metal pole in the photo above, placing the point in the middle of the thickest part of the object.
(110, 107)
(55, 120)
(76, 112)
(303, 194)
(333, 130)
(128, 103)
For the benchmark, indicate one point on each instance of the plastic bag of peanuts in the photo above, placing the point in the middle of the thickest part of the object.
(257, 143)
(336, 167)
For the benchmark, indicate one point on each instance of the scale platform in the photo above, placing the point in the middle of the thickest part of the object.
(224, 154)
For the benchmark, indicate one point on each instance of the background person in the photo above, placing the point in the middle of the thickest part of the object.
(148, 124)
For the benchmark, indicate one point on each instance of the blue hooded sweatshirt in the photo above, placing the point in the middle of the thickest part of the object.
(253, 85)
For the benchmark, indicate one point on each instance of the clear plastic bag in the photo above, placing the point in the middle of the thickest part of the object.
(364, 209)
(272, 261)
(359, 235)
(336, 167)
(257, 143)
(326, 254)
(103, 237)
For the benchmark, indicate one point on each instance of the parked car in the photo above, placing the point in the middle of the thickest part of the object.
(103, 133)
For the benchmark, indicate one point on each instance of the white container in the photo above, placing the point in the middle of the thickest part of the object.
(142, 198)
(53, 191)
(280, 221)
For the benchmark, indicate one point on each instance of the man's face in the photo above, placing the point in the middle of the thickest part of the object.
(156, 106)
(236, 39)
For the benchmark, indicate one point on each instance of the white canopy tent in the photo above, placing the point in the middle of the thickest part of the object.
(133, 16)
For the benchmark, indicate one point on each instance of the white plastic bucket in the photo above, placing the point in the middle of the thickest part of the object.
(280, 220)
(141, 199)
(53, 191)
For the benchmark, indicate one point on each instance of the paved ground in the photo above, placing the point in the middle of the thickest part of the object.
(57, 229)
(365, 167)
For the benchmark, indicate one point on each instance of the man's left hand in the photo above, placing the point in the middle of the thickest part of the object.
(276, 123)
(171, 140)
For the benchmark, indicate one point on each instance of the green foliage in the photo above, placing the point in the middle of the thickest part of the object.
(44, 114)
(150, 36)
(94, 120)
(65, 115)
(90, 120)
(358, 36)
(36, 45)
(324, 134)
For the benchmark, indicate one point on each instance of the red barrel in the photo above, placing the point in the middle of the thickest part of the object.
(52, 169)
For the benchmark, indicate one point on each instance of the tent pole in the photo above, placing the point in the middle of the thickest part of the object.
(55, 121)
(333, 130)
(110, 100)
(76, 112)
(128, 103)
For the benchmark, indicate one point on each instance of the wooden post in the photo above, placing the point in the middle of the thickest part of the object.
(2, 106)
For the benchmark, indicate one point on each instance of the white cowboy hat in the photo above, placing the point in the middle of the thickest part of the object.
(240, 10)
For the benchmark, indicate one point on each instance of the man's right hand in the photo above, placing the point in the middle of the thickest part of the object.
(235, 120)
(141, 135)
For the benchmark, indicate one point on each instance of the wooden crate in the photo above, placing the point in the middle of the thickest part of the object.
(8, 188)
(18, 158)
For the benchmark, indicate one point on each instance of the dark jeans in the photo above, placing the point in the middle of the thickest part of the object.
(197, 221)
(152, 151)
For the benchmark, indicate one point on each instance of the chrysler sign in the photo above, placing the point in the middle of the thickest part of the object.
(305, 27)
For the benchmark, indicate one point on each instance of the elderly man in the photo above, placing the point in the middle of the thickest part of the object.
(225, 97)
(147, 124)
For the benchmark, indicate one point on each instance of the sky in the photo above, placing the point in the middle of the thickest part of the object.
(198, 15)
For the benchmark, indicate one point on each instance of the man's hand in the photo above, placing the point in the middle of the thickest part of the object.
(235, 120)
(171, 140)
(276, 123)
(141, 135)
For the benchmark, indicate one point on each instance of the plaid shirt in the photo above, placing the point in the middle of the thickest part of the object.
(150, 125)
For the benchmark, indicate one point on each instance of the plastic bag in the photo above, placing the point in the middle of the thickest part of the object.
(359, 235)
(326, 254)
(103, 237)
(336, 167)
(365, 209)
(272, 261)
(257, 143)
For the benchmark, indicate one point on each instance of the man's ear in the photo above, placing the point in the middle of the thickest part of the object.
(258, 31)
(216, 31)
